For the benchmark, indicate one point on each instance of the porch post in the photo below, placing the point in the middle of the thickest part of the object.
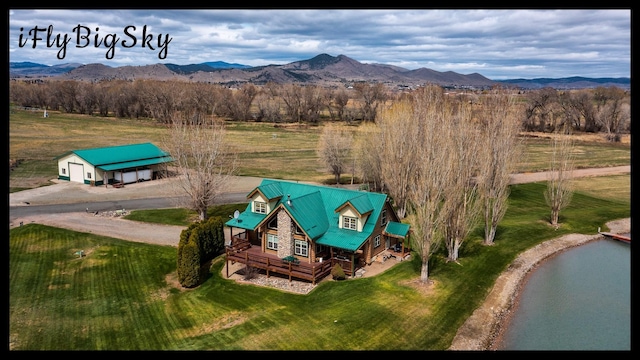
(353, 265)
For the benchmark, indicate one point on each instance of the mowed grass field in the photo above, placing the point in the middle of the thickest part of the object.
(124, 295)
(264, 150)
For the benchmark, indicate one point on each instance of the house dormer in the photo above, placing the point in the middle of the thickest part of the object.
(353, 213)
(264, 198)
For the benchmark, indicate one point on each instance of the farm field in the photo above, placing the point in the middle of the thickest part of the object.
(264, 149)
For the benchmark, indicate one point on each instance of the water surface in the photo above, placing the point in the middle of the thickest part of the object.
(579, 299)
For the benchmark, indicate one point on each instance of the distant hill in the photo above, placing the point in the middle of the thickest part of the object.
(323, 69)
(17, 69)
(225, 65)
(206, 67)
(574, 82)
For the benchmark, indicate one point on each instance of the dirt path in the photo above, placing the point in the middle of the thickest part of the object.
(579, 173)
(112, 226)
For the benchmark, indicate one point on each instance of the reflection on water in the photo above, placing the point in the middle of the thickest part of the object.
(579, 299)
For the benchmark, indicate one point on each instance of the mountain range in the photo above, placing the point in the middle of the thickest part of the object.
(323, 69)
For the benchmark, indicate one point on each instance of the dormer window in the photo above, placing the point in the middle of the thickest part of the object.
(350, 223)
(260, 207)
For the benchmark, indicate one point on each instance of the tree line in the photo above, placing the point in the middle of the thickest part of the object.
(161, 99)
(602, 109)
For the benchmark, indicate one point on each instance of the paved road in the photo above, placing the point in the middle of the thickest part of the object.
(64, 197)
(73, 205)
(22, 209)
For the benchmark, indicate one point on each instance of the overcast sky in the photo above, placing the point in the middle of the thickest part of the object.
(499, 44)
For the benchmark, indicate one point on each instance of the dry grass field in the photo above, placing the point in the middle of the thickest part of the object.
(283, 151)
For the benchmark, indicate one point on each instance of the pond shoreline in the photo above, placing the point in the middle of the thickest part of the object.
(482, 330)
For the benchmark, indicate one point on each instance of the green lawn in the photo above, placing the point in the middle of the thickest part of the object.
(120, 296)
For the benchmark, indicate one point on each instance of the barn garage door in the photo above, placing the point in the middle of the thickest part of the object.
(76, 172)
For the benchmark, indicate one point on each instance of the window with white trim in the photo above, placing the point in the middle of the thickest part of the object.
(383, 217)
(376, 241)
(350, 223)
(64, 171)
(301, 248)
(272, 241)
(260, 207)
(88, 175)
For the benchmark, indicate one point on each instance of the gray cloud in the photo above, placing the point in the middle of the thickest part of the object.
(499, 44)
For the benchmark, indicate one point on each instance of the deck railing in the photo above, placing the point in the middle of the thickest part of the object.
(240, 252)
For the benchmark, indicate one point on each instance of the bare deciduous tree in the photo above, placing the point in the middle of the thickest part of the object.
(371, 96)
(500, 150)
(582, 101)
(367, 149)
(291, 96)
(559, 185)
(202, 160)
(334, 149)
(461, 201)
(539, 114)
(312, 103)
(430, 174)
(268, 105)
(612, 111)
(398, 141)
(336, 101)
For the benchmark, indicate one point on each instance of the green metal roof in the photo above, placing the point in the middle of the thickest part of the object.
(137, 163)
(304, 209)
(122, 156)
(397, 229)
(313, 208)
(360, 203)
(247, 220)
(270, 191)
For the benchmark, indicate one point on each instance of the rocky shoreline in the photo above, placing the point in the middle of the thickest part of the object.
(483, 328)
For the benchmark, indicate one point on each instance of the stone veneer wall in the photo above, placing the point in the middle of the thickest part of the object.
(285, 234)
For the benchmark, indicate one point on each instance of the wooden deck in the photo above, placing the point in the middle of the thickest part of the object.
(244, 253)
(626, 239)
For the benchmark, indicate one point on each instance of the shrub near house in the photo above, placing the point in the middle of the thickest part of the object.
(199, 243)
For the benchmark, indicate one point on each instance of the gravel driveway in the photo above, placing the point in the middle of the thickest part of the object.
(103, 224)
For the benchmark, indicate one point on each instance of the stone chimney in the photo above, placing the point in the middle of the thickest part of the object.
(286, 229)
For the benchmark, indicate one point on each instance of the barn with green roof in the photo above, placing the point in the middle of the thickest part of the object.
(314, 223)
(121, 164)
